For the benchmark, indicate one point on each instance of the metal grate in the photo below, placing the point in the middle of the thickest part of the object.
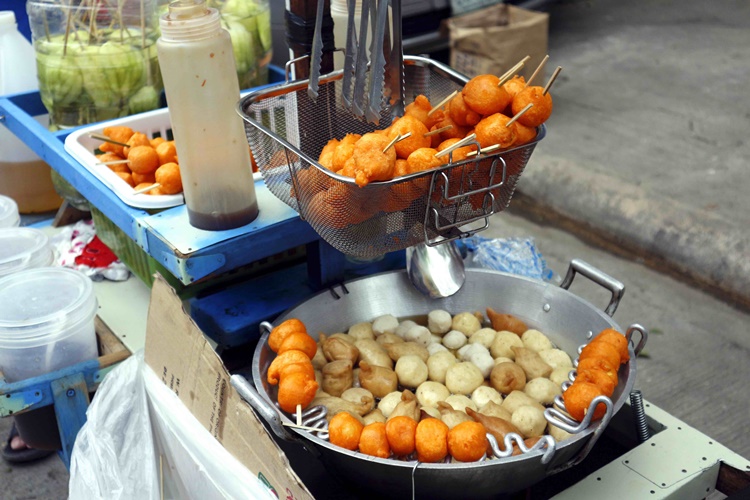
(286, 131)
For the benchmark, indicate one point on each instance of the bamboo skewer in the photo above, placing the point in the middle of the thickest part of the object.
(303, 427)
(483, 151)
(107, 139)
(396, 139)
(519, 114)
(459, 144)
(537, 70)
(512, 71)
(442, 103)
(551, 80)
(113, 162)
(437, 131)
(147, 188)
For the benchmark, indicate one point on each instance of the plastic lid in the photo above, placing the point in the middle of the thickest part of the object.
(39, 306)
(7, 18)
(23, 248)
(9, 216)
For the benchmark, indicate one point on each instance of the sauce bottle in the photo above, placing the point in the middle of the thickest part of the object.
(200, 81)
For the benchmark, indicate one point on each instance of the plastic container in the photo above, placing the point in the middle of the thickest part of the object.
(23, 175)
(46, 321)
(24, 248)
(9, 216)
(200, 80)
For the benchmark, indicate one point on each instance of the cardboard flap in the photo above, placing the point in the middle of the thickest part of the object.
(177, 351)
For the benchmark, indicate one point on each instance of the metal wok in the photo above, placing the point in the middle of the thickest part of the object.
(565, 318)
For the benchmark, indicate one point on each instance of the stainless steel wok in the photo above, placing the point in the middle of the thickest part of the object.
(565, 318)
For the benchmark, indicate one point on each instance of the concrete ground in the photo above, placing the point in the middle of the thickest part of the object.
(642, 175)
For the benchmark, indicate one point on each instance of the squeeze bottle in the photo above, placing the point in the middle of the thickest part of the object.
(23, 175)
(200, 81)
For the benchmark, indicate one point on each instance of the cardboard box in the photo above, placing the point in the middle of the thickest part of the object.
(493, 39)
(178, 352)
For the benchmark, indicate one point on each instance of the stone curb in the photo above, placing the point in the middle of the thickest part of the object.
(706, 248)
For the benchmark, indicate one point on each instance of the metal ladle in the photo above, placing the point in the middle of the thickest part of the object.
(436, 271)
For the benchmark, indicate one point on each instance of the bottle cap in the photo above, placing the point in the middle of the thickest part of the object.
(7, 18)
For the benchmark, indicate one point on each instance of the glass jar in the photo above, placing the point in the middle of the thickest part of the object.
(249, 25)
(95, 61)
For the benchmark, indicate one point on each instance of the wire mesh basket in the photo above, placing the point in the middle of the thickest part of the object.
(287, 130)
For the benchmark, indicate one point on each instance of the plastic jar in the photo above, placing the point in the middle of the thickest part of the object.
(46, 321)
(9, 216)
(24, 248)
(23, 175)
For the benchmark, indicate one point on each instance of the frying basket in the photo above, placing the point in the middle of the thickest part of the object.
(287, 130)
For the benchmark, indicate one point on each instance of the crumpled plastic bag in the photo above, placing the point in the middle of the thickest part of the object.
(511, 255)
(140, 441)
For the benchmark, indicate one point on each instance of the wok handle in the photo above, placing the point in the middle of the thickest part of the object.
(637, 348)
(615, 287)
(261, 407)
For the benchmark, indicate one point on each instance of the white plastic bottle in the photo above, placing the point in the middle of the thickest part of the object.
(23, 175)
(200, 81)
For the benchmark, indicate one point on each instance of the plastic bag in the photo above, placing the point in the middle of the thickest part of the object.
(511, 255)
(141, 442)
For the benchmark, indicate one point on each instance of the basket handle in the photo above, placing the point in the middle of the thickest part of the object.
(616, 288)
(290, 63)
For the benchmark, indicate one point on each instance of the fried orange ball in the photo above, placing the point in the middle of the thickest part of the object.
(114, 167)
(404, 125)
(458, 154)
(344, 151)
(137, 139)
(281, 331)
(467, 442)
(482, 95)
(423, 159)
(156, 141)
(542, 106)
(300, 341)
(326, 154)
(401, 169)
(617, 339)
(302, 367)
(339, 206)
(167, 152)
(144, 178)
(401, 432)
(578, 397)
(506, 322)
(494, 129)
(515, 85)
(117, 133)
(168, 175)
(600, 365)
(461, 113)
(599, 378)
(431, 440)
(373, 440)
(371, 163)
(127, 177)
(454, 132)
(601, 350)
(420, 109)
(293, 356)
(345, 430)
(296, 389)
(524, 134)
(143, 159)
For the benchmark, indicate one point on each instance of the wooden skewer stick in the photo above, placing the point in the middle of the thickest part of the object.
(437, 131)
(537, 70)
(396, 139)
(442, 103)
(519, 114)
(299, 415)
(463, 142)
(504, 79)
(107, 139)
(113, 162)
(551, 80)
(147, 188)
(515, 69)
(484, 151)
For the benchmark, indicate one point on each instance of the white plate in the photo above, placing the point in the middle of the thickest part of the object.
(152, 123)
